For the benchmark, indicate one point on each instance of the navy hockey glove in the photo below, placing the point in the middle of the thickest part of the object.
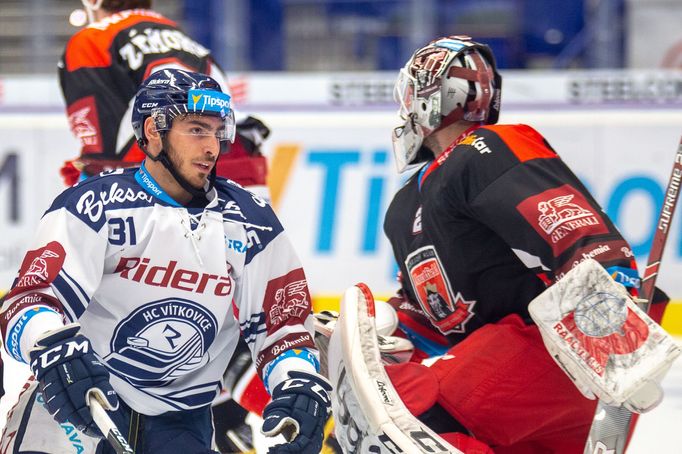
(67, 369)
(299, 410)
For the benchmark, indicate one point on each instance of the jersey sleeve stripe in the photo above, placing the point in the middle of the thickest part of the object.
(73, 302)
(253, 327)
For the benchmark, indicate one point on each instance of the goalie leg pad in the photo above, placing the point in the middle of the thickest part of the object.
(369, 415)
(501, 384)
(416, 384)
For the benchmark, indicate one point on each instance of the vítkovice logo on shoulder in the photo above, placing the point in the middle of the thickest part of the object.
(162, 341)
(208, 100)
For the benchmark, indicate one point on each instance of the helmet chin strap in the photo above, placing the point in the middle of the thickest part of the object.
(164, 159)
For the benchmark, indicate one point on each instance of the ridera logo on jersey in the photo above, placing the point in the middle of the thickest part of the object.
(143, 270)
(447, 311)
(287, 300)
(560, 216)
(84, 122)
(161, 341)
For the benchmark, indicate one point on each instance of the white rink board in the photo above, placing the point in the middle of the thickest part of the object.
(342, 181)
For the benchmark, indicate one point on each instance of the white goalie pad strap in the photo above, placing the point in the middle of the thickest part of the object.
(369, 415)
(607, 345)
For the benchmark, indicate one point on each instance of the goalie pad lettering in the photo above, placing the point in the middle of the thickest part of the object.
(608, 346)
(369, 415)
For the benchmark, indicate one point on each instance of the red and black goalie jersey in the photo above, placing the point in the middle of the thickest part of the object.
(485, 228)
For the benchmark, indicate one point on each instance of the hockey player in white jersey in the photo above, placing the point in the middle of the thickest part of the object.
(139, 284)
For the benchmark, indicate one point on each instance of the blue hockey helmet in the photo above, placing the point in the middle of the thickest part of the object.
(169, 93)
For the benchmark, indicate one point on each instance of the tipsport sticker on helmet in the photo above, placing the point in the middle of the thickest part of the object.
(208, 101)
(451, 44)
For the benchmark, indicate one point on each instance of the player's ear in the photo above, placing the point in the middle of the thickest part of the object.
(151, 133)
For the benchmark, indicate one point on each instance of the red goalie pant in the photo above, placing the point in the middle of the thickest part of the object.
(504, 387)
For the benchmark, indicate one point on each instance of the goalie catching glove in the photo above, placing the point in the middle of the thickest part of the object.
(68, 370)
(299, 410)
(609, 347)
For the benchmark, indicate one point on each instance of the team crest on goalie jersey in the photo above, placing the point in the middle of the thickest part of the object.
(161, 341)
(448, 312)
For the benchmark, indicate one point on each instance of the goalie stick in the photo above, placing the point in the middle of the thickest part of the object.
(611, 425)
(107, 426)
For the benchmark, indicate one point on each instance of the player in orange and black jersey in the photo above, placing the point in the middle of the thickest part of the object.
(103, 65)
(491, 219)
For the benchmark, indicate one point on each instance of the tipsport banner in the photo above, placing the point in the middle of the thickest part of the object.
(332, 181)
(332, 177)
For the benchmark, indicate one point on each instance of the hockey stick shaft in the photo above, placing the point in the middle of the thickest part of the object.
(107, 426)
(611, 425)
(665, 219)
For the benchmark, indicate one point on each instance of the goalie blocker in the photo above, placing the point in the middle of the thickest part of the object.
(609, 347)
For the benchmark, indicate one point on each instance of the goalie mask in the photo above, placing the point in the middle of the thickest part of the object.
(448, 80)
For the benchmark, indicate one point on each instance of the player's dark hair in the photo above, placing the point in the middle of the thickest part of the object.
(121, 5)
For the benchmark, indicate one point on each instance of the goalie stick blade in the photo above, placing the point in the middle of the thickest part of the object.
(369, 415)
(606, 434)
(615, 423)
